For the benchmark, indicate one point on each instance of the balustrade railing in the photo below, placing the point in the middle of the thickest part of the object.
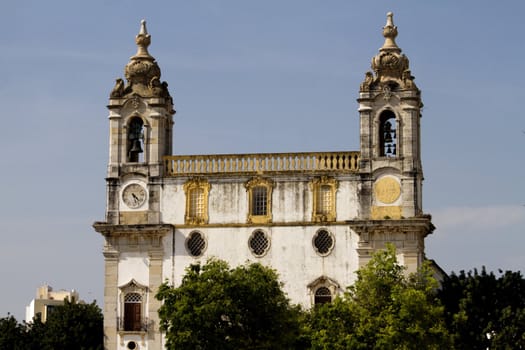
(261, 162)
(135, 326)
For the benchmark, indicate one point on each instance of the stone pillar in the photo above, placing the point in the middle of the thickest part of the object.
(155, 279)
(110, 299)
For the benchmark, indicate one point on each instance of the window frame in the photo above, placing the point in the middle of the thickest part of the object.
(259, 182)
(332, 246)
(133, 287)
(190, 187)
(390, 116)
(252, 237)
(323, 282)
(203, 249)
(317, 185)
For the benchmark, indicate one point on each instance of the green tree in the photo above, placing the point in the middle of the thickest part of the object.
(384, 309)
(216, 307)
(73, 326)
(484, 311)
(12, 334)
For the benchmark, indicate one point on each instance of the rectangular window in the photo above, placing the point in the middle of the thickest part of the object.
(259, 200)
(197, 203)
(132, 317)
(197, 191)
(324, 200)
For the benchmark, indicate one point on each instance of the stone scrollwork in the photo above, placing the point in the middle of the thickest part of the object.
(367, 83)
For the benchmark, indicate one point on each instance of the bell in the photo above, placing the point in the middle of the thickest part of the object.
(388, 137)
(136, 147)
(388, 132)
(388, 149)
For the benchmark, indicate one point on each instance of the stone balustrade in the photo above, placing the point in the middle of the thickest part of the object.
(261, 163)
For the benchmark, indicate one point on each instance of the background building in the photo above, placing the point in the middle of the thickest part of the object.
(46, 300)
(315, 217)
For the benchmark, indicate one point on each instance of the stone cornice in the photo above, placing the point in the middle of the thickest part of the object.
(421, 224)
(111, 230)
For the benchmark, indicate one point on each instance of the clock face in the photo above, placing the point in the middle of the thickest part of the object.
(134, 195)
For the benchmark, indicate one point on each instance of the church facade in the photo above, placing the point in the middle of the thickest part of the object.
(314, 217)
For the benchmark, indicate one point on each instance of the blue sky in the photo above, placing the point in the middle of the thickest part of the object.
(253, 76)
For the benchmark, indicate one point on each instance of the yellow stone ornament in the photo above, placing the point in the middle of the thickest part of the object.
(387, 190)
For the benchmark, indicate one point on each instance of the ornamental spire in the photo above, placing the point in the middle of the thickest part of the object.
(142, 72)
(143, 39)
(389, 65)
(390, 34)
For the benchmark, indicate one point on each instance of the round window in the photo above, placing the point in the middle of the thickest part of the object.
(195, 244)
(132, 345)
(323, 242)
(259, 243)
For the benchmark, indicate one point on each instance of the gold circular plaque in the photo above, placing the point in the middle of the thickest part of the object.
(387, 190)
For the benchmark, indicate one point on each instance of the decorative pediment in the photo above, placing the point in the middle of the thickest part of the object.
(324, 281)
(133, 286)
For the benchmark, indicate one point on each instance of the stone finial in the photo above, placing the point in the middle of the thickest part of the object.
(390, 34)
(143, 39)
(390, 63)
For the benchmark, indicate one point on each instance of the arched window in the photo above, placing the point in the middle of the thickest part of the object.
(322, 290)
(388, 146)
(322, 296)
(135, 140)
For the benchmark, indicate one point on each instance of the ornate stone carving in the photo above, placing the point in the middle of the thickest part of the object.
(387, 190)
(118, 89)
(142, 72)
(323, 212)
(367, 83)
(197, 192)
(256, 216)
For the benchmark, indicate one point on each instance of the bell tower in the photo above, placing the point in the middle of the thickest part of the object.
(141, 123)
(390, 110)
(390, 168)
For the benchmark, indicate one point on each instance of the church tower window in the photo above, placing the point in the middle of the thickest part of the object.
(387, 135)
(135, 140)
(197, 191)
(133, 312)
(260, 200)
(132, 307)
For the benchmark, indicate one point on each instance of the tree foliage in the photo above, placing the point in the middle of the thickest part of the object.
(485, 311)
(216, 307)
(12, 334)
(384, 309)
(71, 326)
